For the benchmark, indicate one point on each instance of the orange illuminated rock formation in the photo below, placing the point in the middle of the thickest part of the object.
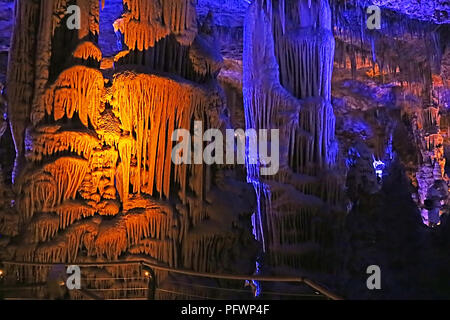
(96, 180)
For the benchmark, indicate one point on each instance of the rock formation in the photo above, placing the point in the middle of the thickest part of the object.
(287, 79)
(87, 118)
(94, 178)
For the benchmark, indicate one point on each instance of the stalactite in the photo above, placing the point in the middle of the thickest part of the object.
(54, 183)
(86, 50)
(137, 105)
(49, 143)
(398, 57)
(120, 55)
(39, 194)
(112, 239)
(43, 56)
(429, 137)
(77, 89)
(305, 61)
(148, 22)
(144, 10)
(282, 11)
(89, 18)
(59, 9)
(71, 211)
(178, 15)
(20, 77)
(44, 227)
(151, 223)
(198, 61)
(66, 245)
(94, 17)
(204, 252)
(108, 208)
(127, 147)
(9, 223)
(140, 35)
(68, 173)
(204, 56)
(287, 85)
(161, 250)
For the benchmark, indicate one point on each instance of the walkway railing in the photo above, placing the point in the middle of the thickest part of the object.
(150, 266)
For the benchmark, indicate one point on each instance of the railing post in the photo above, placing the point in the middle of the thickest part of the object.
(2, 275)
(150, 274)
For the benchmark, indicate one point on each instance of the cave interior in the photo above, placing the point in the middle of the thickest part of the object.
(94, 95)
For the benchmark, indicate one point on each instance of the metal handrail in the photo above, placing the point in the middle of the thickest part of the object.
(148, 263)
